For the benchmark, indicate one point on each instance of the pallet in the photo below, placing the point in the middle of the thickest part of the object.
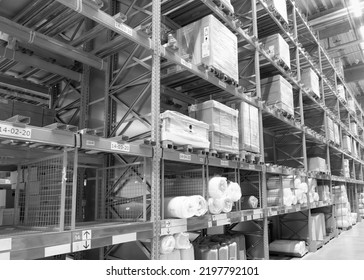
(224, 155)
(221, 75)
(250, 157)
(283, 112)
(281, 63)
(166, 144)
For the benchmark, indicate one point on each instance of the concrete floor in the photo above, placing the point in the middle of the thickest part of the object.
(348, 246)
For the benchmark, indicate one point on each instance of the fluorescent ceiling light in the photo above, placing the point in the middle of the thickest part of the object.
(356, 8)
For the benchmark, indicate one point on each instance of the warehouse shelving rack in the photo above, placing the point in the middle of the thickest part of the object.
(110, 147)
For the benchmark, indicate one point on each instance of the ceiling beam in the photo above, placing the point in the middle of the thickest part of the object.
(37, 62)
(28, 36)
(354, 73)
(24, 86)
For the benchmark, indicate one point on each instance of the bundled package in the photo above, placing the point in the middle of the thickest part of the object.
(341, 91)
(317, 164)
(278, 47)
(347, 143)
(209, 42)
(311, 81)
(280, 6)
(278, 91)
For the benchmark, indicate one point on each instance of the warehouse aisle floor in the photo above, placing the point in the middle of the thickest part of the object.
(348, 246)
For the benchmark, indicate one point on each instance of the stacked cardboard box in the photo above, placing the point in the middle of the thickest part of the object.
(223, 125)
(317, 164)
(341, 91)
(210, 43)
(276, 90)
(280, 6)
(311, 81)
(277, 46)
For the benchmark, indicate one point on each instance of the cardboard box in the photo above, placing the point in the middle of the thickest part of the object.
(209, 42)
(317, 164)
(311, 81)
(276, 90)
(183, 130)
(280, 6)
(218, 116)
(341, 91)
(224, 143)
(347, 143)
(277, 46)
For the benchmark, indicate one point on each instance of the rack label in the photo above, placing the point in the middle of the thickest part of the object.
(185, 157)
(9, 130)
(123, 238)
(186, 64)
(224, 162)
(90, 143)
(120, 147)
(124, 28)
(222, 84)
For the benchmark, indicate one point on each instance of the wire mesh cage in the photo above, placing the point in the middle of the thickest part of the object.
(45, 193)
(250, 187)
(124, 193)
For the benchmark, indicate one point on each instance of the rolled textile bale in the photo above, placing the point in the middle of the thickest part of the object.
(294, 200)
(249, 202)
(215, 205)
(288, 246)
(182, 240)
(341, 211)
(167, 244)
(217, 187)
(228, 205)
(180, 207)
(201, 203)
(312, 184)
(233, 191)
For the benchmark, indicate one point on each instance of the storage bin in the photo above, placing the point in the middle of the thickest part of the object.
(219, 116)
(317, 164)
(277, 46)
(183, 130)
(276, 90)
(209, 42)
(311, 81)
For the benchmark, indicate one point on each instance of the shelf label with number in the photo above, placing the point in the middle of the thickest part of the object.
(224, 163)
(185, 63)
(9, 130)
(222, 84)
(120, 147)
(124, 28)
(185, 157)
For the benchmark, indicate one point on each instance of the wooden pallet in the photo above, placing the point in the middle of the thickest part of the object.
(224, 155)
(220, 75)
(166, 144)
(250, 157)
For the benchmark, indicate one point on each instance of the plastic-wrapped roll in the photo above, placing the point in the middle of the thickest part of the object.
(201, 205)
(294, 200)
(302, 199)
(182, 240)
(304, 187)
(288, 246)
(297, 181)
(343, 222)
(274, 201)
(341, 211)
(312, 184)
(228, 205)
(215, 205)
(187, 254)
(341, 199)
(180, 207)
(233, 191)
(217, 187)
(250, 202)
(316, 197)
(167, 244)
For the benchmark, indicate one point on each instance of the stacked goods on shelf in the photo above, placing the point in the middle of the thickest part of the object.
(318, 226)
(324, 193)
(361, 204)
(184, 207)
(280, 191)
(342, 207)
(333, 131)
(337, 133)
(311, 81)
(176, 247)
(317, 164)
(210, 43)
(353, 218)
(248, 127)
(347, 143)
(355, 148)
(221, 247)
(300, 190)
(354, 128)
(295, 247)
(346, 168)
(249, 202)
(341, 91)
(313, 195)
(183, 130)
(339, 66)
(278, 91)
(280, 7)
(351, 105)
(222, 195)
(278, 48)
(223, 125)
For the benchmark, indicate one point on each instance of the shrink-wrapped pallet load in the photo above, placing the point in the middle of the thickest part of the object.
(351, 105)
(346, 168)
(347, 143)
(209, 42)
(183, 130)
(311, 81)
(280, 6)
(317, 164)
(330, 129)
(354, 128)
(337, 134)
(278, 47)
(278, 91)
(341, 91)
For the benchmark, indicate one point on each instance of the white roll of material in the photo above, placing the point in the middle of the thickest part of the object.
(228, 205)
(297, 181)
(201, 205)
(233, 191)
(294, 200)
(167, 244)
(250, 202)
(187, 254)
(215, 205)
(217, 187)
(182, 240)
(316, 197)
(288, 246)
(303, 186)
(182, 207)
